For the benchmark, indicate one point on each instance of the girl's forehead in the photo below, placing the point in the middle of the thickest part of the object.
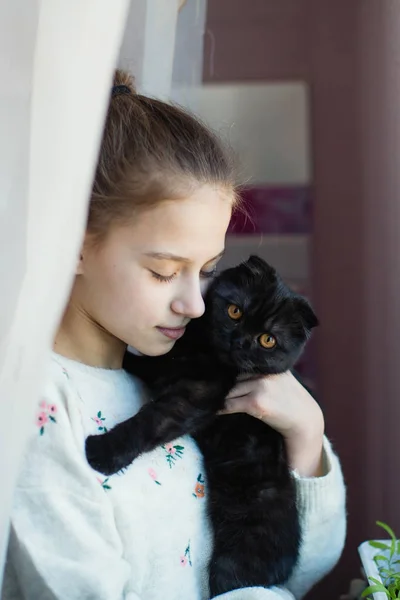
(180, 227)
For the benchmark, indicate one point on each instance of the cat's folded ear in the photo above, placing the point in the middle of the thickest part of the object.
(259, 265)
(307, 315)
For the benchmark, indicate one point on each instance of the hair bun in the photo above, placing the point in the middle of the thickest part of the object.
(124, 83)
(117, 90)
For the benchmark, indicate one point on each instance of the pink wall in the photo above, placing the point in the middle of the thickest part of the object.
(380, 128)
(339, 258)
(349, 53)
(260, 39)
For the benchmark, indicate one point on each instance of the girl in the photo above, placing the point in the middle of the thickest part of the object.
(162, 199)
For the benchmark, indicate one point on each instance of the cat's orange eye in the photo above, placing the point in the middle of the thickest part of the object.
(235, 312)
(267, 341)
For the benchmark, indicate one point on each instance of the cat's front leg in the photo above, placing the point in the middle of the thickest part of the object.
(110, 452)
(182, 408)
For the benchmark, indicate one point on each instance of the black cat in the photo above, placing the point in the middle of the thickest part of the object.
(253, 325)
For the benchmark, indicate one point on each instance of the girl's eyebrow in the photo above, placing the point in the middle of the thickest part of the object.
(175, 258)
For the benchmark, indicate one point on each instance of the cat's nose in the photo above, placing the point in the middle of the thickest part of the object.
(238, 344)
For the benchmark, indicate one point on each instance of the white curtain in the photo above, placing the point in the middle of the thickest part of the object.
(163, 48)
(187, 67)
(56, 64)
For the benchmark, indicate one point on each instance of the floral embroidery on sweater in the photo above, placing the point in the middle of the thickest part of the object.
(185, 559)
(45, 415)
(104, 484)
(153, 475)
(99, 420)
(172, 453)
(199, 491)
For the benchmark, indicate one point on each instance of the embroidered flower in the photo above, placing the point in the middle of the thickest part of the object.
(153, 475)
(99, 420)
(172, 452)
(170, 449)
(104, 484)
(42, 419)
(45, 415)
(199, 491)
(185, 559)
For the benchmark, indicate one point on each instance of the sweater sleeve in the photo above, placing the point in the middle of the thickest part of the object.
(257, 593)
(63, 542)
(322, 506)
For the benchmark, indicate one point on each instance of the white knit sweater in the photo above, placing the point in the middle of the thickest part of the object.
(141, 535)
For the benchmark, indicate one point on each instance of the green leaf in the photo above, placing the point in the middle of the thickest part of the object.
(42, 430)
(375, 588)
(379, 545)
(392, 548)
(388, 529)
(375, 580)
(52, 419)
(392, 588)
(179, 447)
(381, 557)
(106, 487)
(99, 414)
(387, 572)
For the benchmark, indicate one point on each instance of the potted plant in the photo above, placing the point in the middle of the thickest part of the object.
(381, 563)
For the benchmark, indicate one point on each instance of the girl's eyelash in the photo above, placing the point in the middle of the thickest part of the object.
(164, 278)
(208, 274)
(169, 278)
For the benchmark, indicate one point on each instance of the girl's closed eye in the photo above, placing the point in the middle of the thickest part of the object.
(208, 274)
(164, 278)
(169, 278)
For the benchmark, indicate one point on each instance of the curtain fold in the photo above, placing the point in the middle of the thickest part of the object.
(56, 64)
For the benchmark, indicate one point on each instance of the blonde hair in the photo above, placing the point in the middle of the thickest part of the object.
(151, 151)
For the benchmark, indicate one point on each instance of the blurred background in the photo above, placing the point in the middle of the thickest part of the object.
(307, 94)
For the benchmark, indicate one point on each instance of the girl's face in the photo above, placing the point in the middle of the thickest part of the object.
(146, 280)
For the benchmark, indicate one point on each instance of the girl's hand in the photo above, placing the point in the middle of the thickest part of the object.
(283, 403)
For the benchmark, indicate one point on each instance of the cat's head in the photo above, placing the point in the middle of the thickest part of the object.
(256, 322)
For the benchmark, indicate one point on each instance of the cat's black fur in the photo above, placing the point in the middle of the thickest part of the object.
(251, 492)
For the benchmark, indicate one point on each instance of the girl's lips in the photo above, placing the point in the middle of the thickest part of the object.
(172, 333)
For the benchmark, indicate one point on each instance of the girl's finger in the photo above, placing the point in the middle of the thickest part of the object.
(234, 405)
(242, 389)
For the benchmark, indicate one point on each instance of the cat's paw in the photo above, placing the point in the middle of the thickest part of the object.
(102, 456)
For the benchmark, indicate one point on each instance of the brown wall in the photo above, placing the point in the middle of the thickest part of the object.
(257, 39)
(349, 53)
